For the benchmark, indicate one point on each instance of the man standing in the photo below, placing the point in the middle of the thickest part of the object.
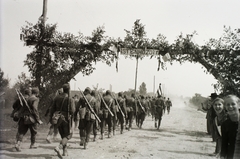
(65, 104)
(159, 104)
(87, 117)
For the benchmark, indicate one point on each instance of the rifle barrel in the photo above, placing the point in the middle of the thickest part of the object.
(89, 106)
(106, 105)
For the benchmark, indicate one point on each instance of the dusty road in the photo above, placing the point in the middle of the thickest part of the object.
(182, 136)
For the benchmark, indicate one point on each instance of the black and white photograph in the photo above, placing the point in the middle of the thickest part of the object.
(119, 79)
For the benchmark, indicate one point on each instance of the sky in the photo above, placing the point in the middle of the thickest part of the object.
(168, 17)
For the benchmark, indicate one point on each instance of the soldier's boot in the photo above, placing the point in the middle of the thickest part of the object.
(159, 123)
(109, 135)
(101, 136)
(155, 124)
(48, 139)
(121, 131)
(81, 141)
(33, 146)
(94, 138)
(65, 152)
(84, 143)
(57, 150)
(17, 146)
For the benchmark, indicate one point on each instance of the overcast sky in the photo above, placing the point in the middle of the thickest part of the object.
(168, 17)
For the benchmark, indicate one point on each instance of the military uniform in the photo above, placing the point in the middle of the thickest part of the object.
(64, 103)
(105, 116)
(87, 118)
(97, 109)
(122, 103)
(141, 111)
(32, 102)
(131, 108)
(159, 104)
(168, 104)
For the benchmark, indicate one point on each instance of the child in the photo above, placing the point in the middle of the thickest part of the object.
(218, 105)
(229, 127)
(237, 144)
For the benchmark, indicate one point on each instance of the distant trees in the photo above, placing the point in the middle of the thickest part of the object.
(4, 82)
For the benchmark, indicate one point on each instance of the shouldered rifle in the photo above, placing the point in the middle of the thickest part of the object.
(105, 105)
(21, 103)
(89, 106)
(30, 110)
(118, 106)
(21, 96)
(141, 105)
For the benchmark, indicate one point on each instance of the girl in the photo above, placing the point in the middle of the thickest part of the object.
(230, 126)
(218, 106)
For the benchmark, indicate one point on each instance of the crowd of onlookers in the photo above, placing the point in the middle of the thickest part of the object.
(223, 123)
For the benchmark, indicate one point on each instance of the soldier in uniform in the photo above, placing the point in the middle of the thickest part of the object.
(30, 108)
(168, 104)
(64, 103)
(159, 104)
(53, 129)
(97, 109)
(87, 117)
(76, 118)
(107, 117)
(122, 103)
(131, 107)
(17, 115)
(141, 113)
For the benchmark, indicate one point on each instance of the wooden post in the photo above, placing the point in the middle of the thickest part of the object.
(135, 89)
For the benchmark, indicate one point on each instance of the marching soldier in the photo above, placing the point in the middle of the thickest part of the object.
(30, 108)
(131, 107)
(53, 130)
(107, 104)
(65, 104)
(122, 113)
(87, 117)
(141, 111)
(168, 104)
(97, 109)
(153, 107)
(159, 104)
(17, 116)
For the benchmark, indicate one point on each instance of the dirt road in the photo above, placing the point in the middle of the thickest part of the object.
(182, 136)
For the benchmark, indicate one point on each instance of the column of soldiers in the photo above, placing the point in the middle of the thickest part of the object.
(92, 113)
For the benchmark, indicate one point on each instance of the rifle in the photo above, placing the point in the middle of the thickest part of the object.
(141, 105)
(21, 96)
(89, 106)
(118, 105)
(105, 105)
(21, 103)
(30, 110)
